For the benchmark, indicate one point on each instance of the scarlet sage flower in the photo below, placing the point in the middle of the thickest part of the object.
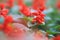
(7, 19)
(2, 6)
(10, 3)
(58, 5)
(39, 19)
(24, 9)
(4, 12)
(38, 16)
(7, 28)
(39, 4)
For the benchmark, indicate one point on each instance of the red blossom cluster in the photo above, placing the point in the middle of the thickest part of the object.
(7, 19)
(38, 5)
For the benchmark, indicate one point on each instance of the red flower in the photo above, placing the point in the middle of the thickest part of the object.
(58, 5)
(4, 12)
(39, 4)
(7, 19)
(8, 29)
(10, 3)
(57, 37)
(39, 19)
(24, 10)
(2, 6)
